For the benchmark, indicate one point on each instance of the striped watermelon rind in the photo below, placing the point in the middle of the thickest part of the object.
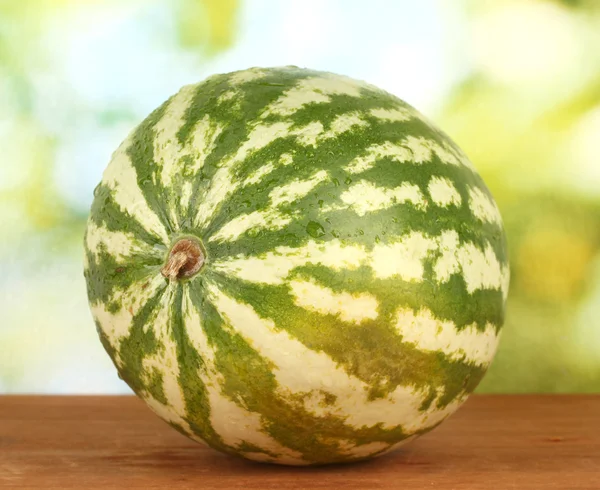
(354, 272)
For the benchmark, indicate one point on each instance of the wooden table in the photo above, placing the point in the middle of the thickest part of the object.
(493, 442)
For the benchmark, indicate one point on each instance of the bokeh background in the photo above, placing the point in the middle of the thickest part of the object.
(515, 83)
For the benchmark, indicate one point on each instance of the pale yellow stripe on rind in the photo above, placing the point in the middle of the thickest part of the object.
(187, 190)
(270, 218)
(258, 174)
(343, 123)
(230, 94)
(313, 90)
(430, 334)
(317, 403)
(169, 153)
(402, 258)
(221, 186)
(415, 150)
(167, 149)
(257, 220)
(392, 115)
(367, 161)
(354, 308)
(117, 326)
(302, 371)
(223, 183)
(484, 208)
(120, 176)
(273, 267)
(447, 264)
(233, 423)
(203, 141)
(309, 135)
(424, 149)
(480, 269)
(293, 100)
(443, 193)
(165, 361)
(365, 197)
(117, 244)
(286, 159)
(245, 76)
(297, 189)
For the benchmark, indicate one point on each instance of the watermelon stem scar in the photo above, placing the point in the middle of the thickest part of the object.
(185, 259)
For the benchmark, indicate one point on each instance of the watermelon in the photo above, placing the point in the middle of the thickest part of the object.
(295, 267)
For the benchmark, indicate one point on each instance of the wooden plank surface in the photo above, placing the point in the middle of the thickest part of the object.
(493, 442)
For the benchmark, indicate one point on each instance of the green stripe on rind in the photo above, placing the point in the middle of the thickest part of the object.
(140, 343)
(193, 388)
(263, 163)
(250, 378)
(378, 355)
(107, 212)
(141, 152)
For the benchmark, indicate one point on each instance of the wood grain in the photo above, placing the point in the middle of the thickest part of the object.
(499, 442)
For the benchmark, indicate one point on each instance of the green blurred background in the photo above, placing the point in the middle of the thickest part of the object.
(515, 83)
